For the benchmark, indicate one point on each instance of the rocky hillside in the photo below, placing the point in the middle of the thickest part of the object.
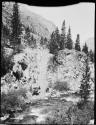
(41, 70)
(70, 67)
(32, 64)
(38, 25)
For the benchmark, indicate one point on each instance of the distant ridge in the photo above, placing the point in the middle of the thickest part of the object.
(39, 25)
(91, 43)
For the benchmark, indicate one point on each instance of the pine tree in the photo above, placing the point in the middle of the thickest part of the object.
(45, 42)
(42, 41)
(27, 36)
(5, 31)
(69, 43)
(53, 47)
(5, 34)
(29, 39)
(57, 38)
(16, 26)
(33, 42)
(91, 55)
(63, 36)
(85, 83)
(77, 44)
(54, 44)
(85, 48)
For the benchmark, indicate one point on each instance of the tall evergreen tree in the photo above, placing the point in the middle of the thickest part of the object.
(85, 48)
(16, 26)
(54, 44)
(63, 36)
(42, 41)
(91, 55)
(5, 34)
(5, 31)
(27, 35)
(53, 47)
(77, 44)
(69, 43)
(85, 83)
(57, 37)
(29, 39)
(33, 42)
(45, 42)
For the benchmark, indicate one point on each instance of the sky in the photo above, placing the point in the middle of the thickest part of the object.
(80, 17)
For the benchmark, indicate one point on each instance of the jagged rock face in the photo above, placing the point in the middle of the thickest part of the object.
(72, 67)
(36, 62)
(38, 25)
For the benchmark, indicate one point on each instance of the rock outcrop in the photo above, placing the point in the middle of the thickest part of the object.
(70, 67)
(36, 68)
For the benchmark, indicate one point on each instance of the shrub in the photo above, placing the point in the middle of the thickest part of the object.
(80, 116)
(6, 64)
(21, 92)
(61, 86)
(89, 106)
(8, 79)
(71, 114)
(11, 102)
(23, 65)
(59, 116)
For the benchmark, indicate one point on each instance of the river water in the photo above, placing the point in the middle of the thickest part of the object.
(40, 111)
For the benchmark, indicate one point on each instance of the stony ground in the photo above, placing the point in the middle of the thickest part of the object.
(40, 110)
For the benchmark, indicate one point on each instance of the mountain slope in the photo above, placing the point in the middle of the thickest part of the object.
(38, 25)
(91, 43)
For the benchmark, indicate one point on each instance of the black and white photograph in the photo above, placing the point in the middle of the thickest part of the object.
(47, 64)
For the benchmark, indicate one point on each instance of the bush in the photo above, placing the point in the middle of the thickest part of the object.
(23, 65)
(89, 106)
(72, 116)
(11, 102)
(8, 79)
(59, 116)
(6, 63)
(81, 116)
(61, 86)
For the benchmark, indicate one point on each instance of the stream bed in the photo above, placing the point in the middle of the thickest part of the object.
(41, 109)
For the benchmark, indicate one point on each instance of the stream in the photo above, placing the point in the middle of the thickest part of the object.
(38, 112)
